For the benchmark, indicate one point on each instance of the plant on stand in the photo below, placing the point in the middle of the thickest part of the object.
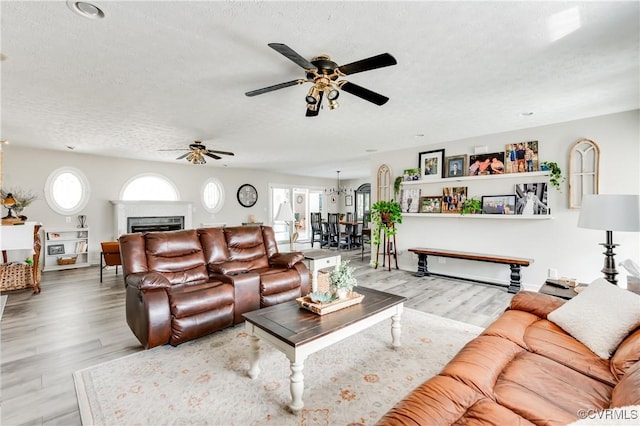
(555, 173)
(384, 216)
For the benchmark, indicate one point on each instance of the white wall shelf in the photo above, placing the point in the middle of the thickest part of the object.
(74, 242)
(478, 216)
(476, 178)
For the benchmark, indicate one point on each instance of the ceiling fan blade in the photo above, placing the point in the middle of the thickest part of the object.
(365, 94)
(183, 155)
(379, 61)
(274, 87)
(209, 154)
(175, 149)
(292, 55)
(220, 152)
(314, 113)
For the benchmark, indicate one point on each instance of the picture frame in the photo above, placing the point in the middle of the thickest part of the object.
(431, 164)
(486, 164)
(348, 200)
(334, 199)
(431, 204)
(498, 204)
(452, 199)
(411, 175)
(521, 157)
(532, 199)
(410, 200)
(55, 249)
(455, 166)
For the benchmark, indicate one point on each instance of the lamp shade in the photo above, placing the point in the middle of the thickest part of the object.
(610, 212)
(285, 213)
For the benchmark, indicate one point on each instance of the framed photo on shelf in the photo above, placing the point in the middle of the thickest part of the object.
(532, 199)
(348, 200)
(430, 204)
(486, 164)
(453, 198)
(498, 204)
(431, 164)
(455, 166)
(411, 175)
(410, 200)
(521, 157)
(55, 249)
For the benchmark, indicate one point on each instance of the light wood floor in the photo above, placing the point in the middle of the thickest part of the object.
(77, 322)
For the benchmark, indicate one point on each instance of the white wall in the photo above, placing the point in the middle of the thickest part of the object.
(556, 243)
(28, 169)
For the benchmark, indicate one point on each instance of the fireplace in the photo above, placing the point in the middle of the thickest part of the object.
(145, 216)
(155, 223)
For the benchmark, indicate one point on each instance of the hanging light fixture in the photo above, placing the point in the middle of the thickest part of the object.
(339, 189)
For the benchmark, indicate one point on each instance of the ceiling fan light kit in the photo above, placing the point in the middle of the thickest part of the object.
(197, 152)
(323, 73)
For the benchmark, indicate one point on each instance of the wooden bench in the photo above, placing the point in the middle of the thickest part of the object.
(515, 263)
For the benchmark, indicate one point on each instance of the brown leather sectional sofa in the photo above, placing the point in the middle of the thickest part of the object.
(181, 285)
(524, 370)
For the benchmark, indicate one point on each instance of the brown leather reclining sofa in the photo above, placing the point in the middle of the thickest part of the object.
(524, 370)
(181, 285)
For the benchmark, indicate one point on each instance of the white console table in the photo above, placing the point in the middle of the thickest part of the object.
(24, 237)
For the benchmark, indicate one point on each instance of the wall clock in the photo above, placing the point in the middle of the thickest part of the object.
(247, 195)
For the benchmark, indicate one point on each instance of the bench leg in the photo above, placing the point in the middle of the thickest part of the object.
(422, 266)
(514, 285)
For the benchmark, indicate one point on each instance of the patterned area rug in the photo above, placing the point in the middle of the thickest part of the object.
(205, 381)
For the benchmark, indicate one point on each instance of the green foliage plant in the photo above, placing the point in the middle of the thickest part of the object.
(471, 206)
(555, 173)
(384, 215)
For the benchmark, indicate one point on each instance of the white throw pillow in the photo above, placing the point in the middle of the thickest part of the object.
(600, 317)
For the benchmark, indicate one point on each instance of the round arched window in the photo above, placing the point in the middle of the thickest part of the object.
(67, 191)
(149, 186)
(212, 195)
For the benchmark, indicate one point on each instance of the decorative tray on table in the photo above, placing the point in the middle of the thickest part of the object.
(331, 306)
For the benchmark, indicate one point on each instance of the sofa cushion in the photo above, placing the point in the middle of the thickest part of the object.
(618, 312)
(627, 392)
(246, 244)
(177, 255)
(187, 301)
(627, 354)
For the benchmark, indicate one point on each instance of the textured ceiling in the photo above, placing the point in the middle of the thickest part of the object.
(157, 75)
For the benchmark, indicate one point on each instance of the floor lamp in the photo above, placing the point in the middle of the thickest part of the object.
(285, 214)
(610, 212)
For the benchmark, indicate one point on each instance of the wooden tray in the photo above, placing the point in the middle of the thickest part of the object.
(325, 308)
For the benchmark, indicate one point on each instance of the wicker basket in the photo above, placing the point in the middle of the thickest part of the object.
(67, 260)
(15, 276)
(323, 281)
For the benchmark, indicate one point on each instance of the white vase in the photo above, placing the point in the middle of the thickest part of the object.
(342, 293)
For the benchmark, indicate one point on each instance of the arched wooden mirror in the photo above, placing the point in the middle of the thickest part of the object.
(384, 184)
(584, 164)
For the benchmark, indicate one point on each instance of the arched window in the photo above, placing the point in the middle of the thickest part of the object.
(67, 191)
(363, 200)
(149, 186)
(212, 195)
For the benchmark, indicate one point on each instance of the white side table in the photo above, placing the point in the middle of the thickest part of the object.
(320, 259)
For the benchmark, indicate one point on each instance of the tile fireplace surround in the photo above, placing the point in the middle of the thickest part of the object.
(122, 210)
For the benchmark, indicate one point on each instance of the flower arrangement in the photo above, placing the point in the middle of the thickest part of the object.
(342, 280)
(23, 198)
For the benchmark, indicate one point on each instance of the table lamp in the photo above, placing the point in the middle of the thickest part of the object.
(285, 214)
(610, 212)
(9, 202)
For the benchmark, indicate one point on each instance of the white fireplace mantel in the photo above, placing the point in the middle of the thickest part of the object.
(124, 209)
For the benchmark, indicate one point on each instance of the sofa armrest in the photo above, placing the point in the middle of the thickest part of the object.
(285, 260)
(147, 281)
(228, 268)
(148, 315)
(246, 292)
(535, 303)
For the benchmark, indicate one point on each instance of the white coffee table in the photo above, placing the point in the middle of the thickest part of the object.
(299, 333)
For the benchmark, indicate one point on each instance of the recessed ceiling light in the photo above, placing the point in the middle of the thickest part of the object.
(526, 114)
(86, 9)
(419, 135)
(70, 147)
(371, 150)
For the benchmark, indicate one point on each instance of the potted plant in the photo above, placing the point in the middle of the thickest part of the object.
(342, 280)
(471, 206)
(396, 187)
(555, 173)
(384, 215)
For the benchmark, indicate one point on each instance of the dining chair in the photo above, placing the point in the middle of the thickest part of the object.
(110, 254)
(334, 229)
(316, 228)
